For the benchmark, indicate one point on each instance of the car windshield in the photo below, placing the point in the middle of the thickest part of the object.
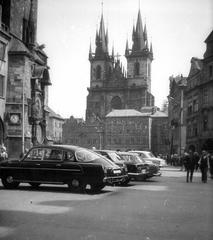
(150, 155)
(130, 158)
(114, 156)
(83, 155)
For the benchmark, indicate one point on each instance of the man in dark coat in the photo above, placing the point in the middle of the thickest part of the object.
(204, 165)
(189, 163)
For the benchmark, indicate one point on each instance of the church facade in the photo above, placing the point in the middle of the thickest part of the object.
(111, 87)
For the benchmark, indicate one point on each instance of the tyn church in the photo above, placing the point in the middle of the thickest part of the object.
(111, 87)
(120, 110)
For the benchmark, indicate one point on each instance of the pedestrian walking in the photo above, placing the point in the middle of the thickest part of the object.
(197, 158)
(189, 163)
(204, 165)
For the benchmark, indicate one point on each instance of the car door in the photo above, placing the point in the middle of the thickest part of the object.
(30, 165)
(51, 163)
(70, 168)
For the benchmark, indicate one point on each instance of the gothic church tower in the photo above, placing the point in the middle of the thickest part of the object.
(110, 86)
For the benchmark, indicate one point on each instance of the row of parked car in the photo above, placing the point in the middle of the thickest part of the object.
(78, 167)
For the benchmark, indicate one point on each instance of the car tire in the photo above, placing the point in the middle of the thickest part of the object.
(8, 182)
(35, 185)
(76, 185)
(125, 183)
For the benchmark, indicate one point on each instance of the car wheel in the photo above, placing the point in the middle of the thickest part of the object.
(35, 185)
(8, 182)
(77, 185)
(125, 182)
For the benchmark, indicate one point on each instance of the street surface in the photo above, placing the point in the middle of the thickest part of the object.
(162, 208)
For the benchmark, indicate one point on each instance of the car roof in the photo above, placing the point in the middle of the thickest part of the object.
(135, 151)
(62, 147)
(127, 153)
(107, 151)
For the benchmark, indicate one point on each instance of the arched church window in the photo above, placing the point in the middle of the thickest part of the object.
(116, 103)
(98, 72)
(137, 68)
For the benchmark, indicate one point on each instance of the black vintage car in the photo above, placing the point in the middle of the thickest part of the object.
(137, 168)
(114, 157)
(61, 164)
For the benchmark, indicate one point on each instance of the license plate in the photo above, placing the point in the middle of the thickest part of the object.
(116, 171)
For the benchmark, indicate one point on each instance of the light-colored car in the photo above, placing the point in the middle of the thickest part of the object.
(149, 156)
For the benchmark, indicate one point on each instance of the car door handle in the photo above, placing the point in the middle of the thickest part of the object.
(58, 165)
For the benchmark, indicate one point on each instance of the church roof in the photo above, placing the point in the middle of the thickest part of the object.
(52, 114)
(126, 113)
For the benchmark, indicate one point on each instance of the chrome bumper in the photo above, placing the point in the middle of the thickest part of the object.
(115, 179)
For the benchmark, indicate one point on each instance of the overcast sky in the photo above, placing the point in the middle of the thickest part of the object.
(176, 28)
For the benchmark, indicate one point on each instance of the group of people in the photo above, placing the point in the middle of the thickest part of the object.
(192, 161)
(3, 152)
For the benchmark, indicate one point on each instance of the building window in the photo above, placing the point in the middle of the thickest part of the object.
(205, 123)
(2, 50)
(98, 72)
(210, 71)
(137, 68)
(195, 105)
(116, 103)
(1, 86)
(205, 96)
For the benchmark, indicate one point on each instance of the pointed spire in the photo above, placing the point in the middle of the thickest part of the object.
(127, 48)
(90, 51)
(151, 50)
(113, 54)
(133, 32)
(138, 38)
(145, 33)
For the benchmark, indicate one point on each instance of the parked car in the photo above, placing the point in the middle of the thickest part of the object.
(61, 164)
(149, 156)
(137, 168)
(114, 157)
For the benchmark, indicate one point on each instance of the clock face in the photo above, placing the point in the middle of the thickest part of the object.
(14, 118)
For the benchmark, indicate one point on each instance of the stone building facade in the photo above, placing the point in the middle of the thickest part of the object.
(27, 79)
(177, 110)
(128, 129)
(54, 123)
(4, 45)
(160, 141)
(199, 97)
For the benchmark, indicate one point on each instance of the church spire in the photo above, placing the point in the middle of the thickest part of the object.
(101, 39)
(138, 37)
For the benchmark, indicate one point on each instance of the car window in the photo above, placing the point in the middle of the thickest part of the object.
(84, 155)
(53, 154)
(69, 156)
(114, 156)
(35, 154)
